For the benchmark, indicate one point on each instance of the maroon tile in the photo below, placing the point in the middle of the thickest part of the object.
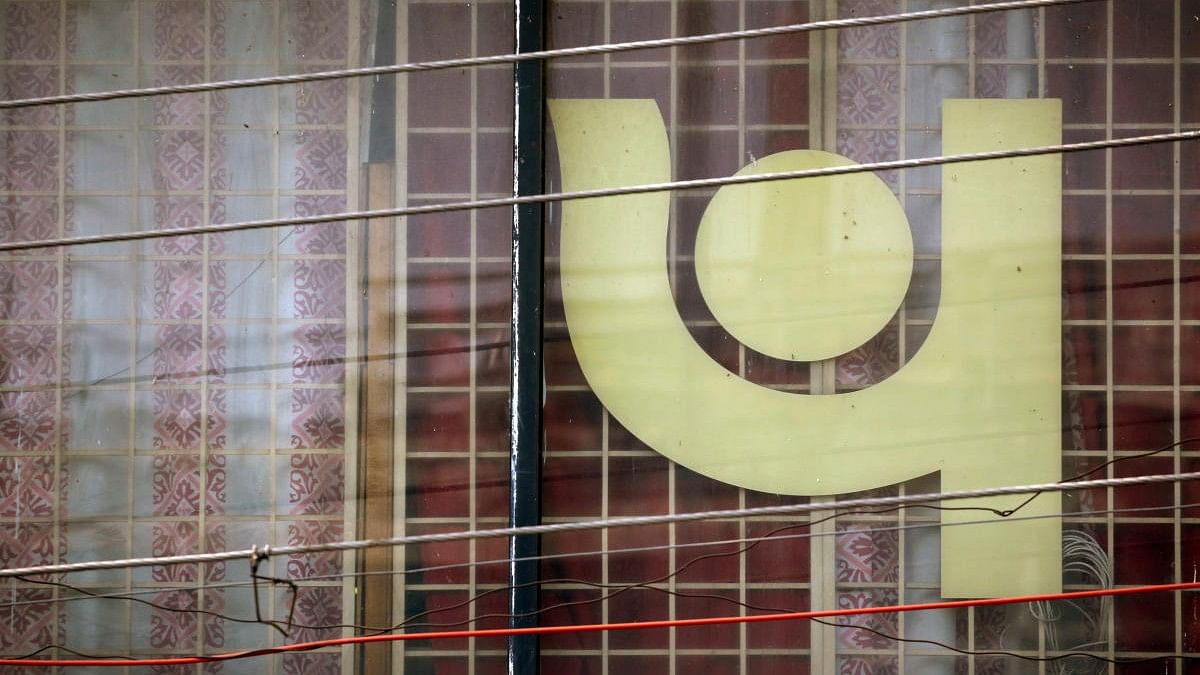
(496, 26)
(437, 422)
(1077, 30)
(438, 488)
(560, 364)
(572, 421)
(1142, 289)
(1142, 420)
(776, 665)
(708, 94)
(707, 637)
(706, 154)
(446, 234)
(636, 566)
(1084, 500)
(1145, 622)
(633, 21)
(493, 232)
(643, 82)
(707, 564)
(437, 554)
(1083, 224)
(1189, 423)
(491, 487)
(439, 162)
(1085, 415)
(638, 485)
(494, 163)
(1143, 93)
(624, 663)
(639, 604)
(767, 13)
(781, 556)
(620, 438)
(777, 634)
(1143, 354)
(1144, 28)
(765, 370)
(576, 24)
(437, 31)
(562, 551)
(1189, 355)
(571, 486)
(764, 142)
(1084, 355)
(695, 492)
(439, 292)
(1189, 289)
(585, 82)
(776, 94)
(1144, 167)
(1083, 289)
(1082, 88)
(440, 98)
(1190, 94)
(1143, 223)
(493, 98)
(1143, 553)
(1144, 496)
(438, 358)
(493, 291)
(1084, 170)
(718, 344)
(1189, 31)
(707, 16)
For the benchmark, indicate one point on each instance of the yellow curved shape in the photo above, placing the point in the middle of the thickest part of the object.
(804, 270)
(979, 403)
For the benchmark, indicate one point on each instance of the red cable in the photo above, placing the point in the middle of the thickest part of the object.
(594, 627)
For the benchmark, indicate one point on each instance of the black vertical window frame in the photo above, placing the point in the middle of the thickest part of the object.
(526, 391)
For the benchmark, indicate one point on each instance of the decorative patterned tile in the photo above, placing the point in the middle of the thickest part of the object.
(28, 355)
(28, 81)
(27, 421)
(850, 638)
(28, 290)
(178, 162)
(317, 288)
(315, 159)
(870, 42)
(318, 29)
(327, 238)
(866, 556)
(319, 354)
(31, 625)
(306, 533)
(27, 487)
(869, 95)
(26, 544)
(30, 160)
(26, 217)
(32, 30)
(175, 485)
(178, 31)
(316, 485)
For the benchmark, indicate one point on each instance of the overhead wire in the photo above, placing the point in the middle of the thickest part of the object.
(610, 626)
(499, 59)
(692, 184)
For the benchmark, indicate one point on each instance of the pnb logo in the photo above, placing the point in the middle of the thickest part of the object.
(809, 269)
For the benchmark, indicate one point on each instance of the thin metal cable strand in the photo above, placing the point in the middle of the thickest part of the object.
(609, 48)
(130, 595)
(610, 192)
(352, 545)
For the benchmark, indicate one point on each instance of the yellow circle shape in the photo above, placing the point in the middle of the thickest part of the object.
(804, 269)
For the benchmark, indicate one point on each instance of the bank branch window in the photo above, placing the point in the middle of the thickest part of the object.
(880, 249)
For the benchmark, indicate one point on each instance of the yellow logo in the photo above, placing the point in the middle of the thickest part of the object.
(809, 269)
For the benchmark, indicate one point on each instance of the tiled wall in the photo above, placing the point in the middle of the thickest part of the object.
(182, 394)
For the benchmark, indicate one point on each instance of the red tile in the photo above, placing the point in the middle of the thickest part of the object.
(1142, 420)
(1143, 354)
(695, 492)
(494, 96)
(440, 98)
(572, 421)
(571, 606)
(1143, 553)
(781, 556)
(1083, 289)
(491, 421)
(620, 438)
(493, 291)
(764, 14)
(1083, 224)
(1144, 496)
(1143, 289)
(1189, 31)
(1144, 28)
(718, 344)
(491, 354)
(1190, 165)
(708, 94)
(559, 547)
(1082, 89)
(776, 94)
(636, 566)
(766, 370)
(689, 299)
(710, 665)
(437, 554)
(1143, 93)
(707, 637)
(1084, 500)
(1189, 420)
(496, 26)
(706, 154)
(621, 663)
(1077, 30)
(585, 82)
(1143, 224)
(1084, 355)
(764, 142)
(571, 486)
(638, 485)
(491, 487)
(575, 24)
(1189, 289)
(559, 361)
(777, 634)
(777, 665)
(494, 163)
(438, 293)
(493, 232)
